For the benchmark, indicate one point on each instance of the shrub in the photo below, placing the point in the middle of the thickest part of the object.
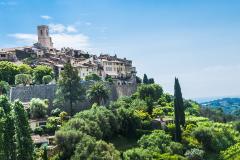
(38, 130)
(23, 79)
(38, 108)
(4, 87)
(47, 79)
(137, 153)
(195, 154)
(93, 77)
(55, 112)
(39, 72)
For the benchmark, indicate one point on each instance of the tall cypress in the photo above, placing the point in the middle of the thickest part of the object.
(23, 133)
(9, 145)
(178, 110)
(179, 102)
(2, 119)
(145, 79)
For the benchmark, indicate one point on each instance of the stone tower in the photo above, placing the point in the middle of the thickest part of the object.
(43, 37)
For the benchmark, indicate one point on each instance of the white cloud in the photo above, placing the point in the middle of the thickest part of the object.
(26, 38)
(57, 28)
(71, 29)
(60, 28)
(46, 17)
(76, 41)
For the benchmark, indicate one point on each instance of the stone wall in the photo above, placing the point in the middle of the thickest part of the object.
(26, 93)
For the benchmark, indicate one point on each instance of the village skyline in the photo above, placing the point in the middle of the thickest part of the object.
(196, 42)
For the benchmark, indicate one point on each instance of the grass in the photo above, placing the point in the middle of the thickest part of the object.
(123, 143)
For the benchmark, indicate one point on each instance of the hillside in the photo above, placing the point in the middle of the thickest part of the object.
(228, 105)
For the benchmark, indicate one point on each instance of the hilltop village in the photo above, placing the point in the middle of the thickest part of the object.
(44, 53)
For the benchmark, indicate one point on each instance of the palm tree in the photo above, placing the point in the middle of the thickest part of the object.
(98, 93)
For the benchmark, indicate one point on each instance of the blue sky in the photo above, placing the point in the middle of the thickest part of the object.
(195, 40)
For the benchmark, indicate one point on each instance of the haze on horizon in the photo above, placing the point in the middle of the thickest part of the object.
(197, 41)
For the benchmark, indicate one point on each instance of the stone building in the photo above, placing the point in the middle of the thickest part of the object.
(7, 55)
(43, 37)
(116, 67)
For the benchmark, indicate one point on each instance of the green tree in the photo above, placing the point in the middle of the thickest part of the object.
(24, 69)
(67, 141)
(104, 151)
(98, 93)
(158, 141)
(145, 79)
(2, 121)
(38, 108)
(178, 102)
(4, 87)
(92, 77)
(69, 87)
(138, 80)
(137, 154)
(8, 70)
(178, 110)
(23, 133)
(9, 145)
(152, 91)
(9, 138)
(151, 81)
(40, 71)
(23, 79)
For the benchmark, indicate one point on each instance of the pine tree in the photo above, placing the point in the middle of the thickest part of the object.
(8, 129)
(145, 79)
(69, 87)
(178, 110)
(23, 133)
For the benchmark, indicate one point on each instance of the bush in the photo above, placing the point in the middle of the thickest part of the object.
(38, 130)
(4, 87)
(138, 154)
(92, 77)
(38, 108)
(195, 154)
(23, 79)
(55, 112)
(47, 79)
(39, 72)
(63, 116)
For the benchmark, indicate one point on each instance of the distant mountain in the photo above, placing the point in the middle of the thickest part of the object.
(228, 105)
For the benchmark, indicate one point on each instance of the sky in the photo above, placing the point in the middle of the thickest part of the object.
(197, 41)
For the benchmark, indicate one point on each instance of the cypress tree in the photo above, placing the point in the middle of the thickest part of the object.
(23, 133)
(178, 110)
(145, 79)
(8, 129)
(2, 156)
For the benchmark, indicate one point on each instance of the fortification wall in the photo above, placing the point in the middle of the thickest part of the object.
(26, 93)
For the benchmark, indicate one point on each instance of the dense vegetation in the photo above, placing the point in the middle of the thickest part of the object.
(150, 124)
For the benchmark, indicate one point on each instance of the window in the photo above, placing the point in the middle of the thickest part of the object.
(3, 55)
(41, 32)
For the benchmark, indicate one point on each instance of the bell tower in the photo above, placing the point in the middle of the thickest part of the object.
(43, 37)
